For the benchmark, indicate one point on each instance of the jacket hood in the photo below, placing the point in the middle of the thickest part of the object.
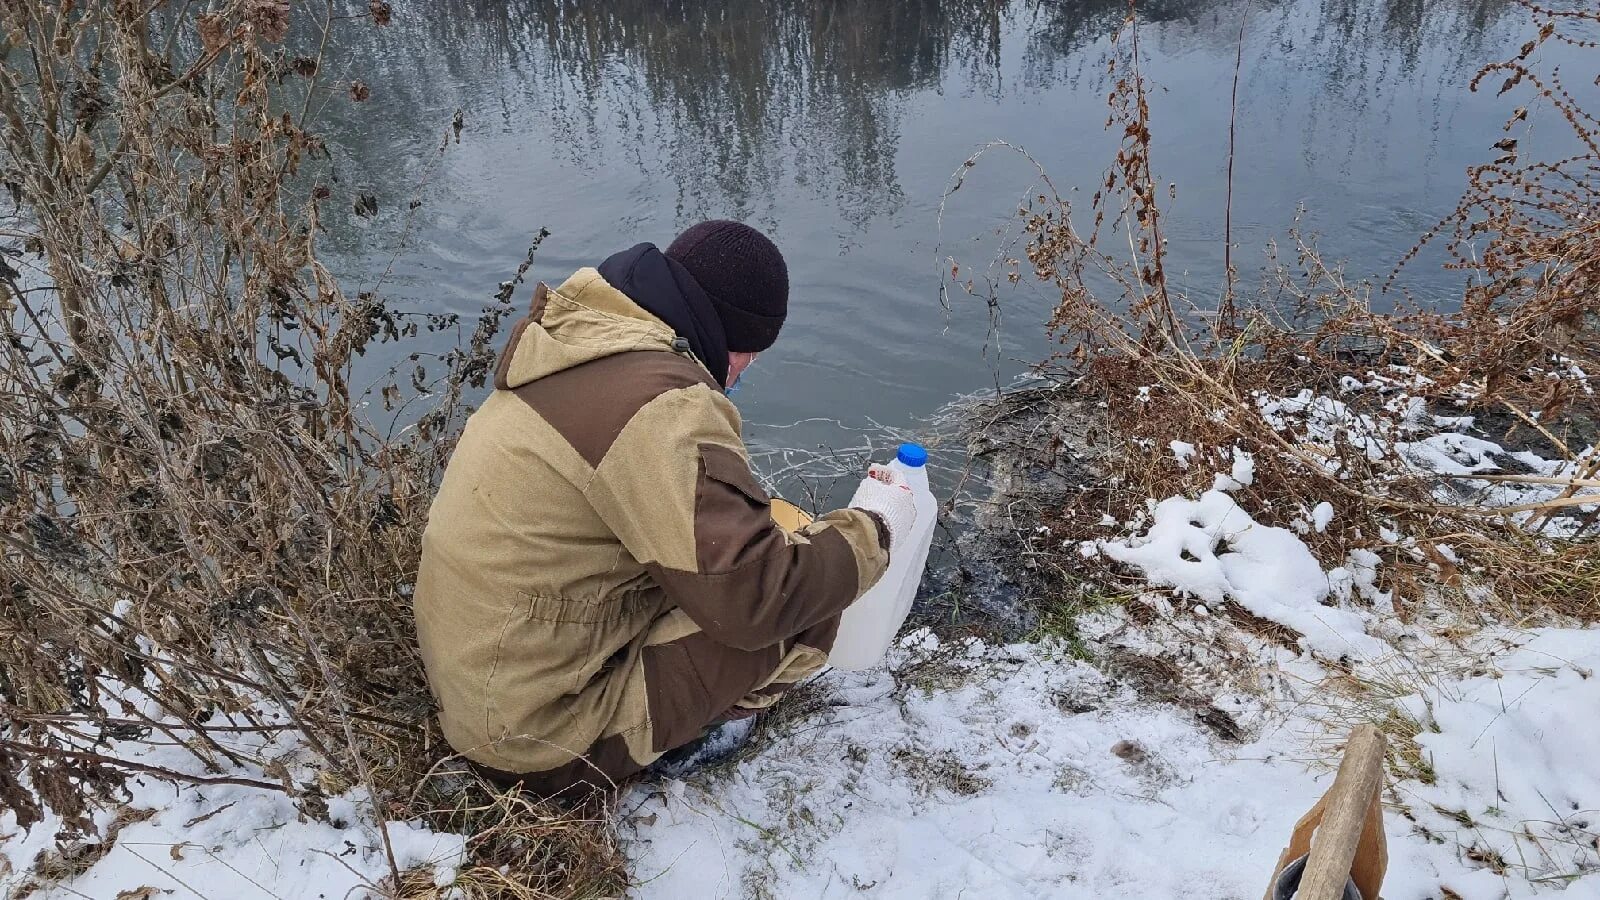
(666, 290)
(584, 319)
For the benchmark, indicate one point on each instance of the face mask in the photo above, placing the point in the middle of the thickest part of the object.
(733, 386)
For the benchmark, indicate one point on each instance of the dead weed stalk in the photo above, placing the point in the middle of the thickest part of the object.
(1335, 401)
(207, 530)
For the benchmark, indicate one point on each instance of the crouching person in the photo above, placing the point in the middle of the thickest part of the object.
(601, 579)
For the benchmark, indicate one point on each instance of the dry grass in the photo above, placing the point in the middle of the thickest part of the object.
(1159, 366)
(521, 848)
(200, 508)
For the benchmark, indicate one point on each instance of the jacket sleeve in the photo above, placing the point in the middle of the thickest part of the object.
(677, 491)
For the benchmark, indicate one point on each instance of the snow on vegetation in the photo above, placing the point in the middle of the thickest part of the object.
(1212, 550)
(1322, 516)
(220, 840)
(1417, 442)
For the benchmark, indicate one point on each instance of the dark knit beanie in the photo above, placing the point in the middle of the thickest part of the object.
(745, 276)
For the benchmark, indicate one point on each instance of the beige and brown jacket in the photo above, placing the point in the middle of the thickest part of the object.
(600, 575)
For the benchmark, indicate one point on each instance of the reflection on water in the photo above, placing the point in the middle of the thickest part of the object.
(736, 100)
(835, 125)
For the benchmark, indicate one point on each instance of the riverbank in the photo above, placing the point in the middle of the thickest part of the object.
(1184, 685)
(1121, 720)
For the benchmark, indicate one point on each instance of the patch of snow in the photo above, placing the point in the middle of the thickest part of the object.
(232, 841)
(1451, 454)
(1341, 584)
(1513, 760)
(1213, 550)
(1323, 420)
(919, 639)
(1182, 450)
(994, 788)
(1322, 516)
(1413, 411)
(1244, 467)
(1224, 483)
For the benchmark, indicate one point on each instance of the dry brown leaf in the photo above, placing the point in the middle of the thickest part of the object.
(212, 31)
(270, 19)
(1448, 572)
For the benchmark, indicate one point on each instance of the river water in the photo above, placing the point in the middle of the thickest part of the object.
(836, 126)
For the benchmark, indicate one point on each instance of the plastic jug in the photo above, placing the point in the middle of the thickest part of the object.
(869, 625)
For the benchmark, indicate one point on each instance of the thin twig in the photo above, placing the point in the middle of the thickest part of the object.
(1227, 314)
(158, 771)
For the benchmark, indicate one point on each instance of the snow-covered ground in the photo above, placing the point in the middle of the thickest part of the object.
(999, 771)
(223, 841)
(1165, 752)
(1020, 772)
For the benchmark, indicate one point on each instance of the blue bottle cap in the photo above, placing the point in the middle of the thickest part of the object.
(913, 455)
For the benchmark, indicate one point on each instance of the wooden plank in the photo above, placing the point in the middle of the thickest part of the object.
(1348, 809)
(1372, 854)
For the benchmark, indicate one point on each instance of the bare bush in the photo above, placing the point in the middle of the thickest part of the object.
(207, 528)
(1323, 391)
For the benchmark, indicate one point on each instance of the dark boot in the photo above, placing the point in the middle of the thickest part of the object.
(716, 744)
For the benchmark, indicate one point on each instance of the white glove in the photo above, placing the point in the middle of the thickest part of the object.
(884, 491)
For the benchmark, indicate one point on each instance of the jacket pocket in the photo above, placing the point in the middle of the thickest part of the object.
(561, 610)
(677, 702)
(568, 641)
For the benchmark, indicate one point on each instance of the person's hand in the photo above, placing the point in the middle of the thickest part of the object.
(884, 492)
